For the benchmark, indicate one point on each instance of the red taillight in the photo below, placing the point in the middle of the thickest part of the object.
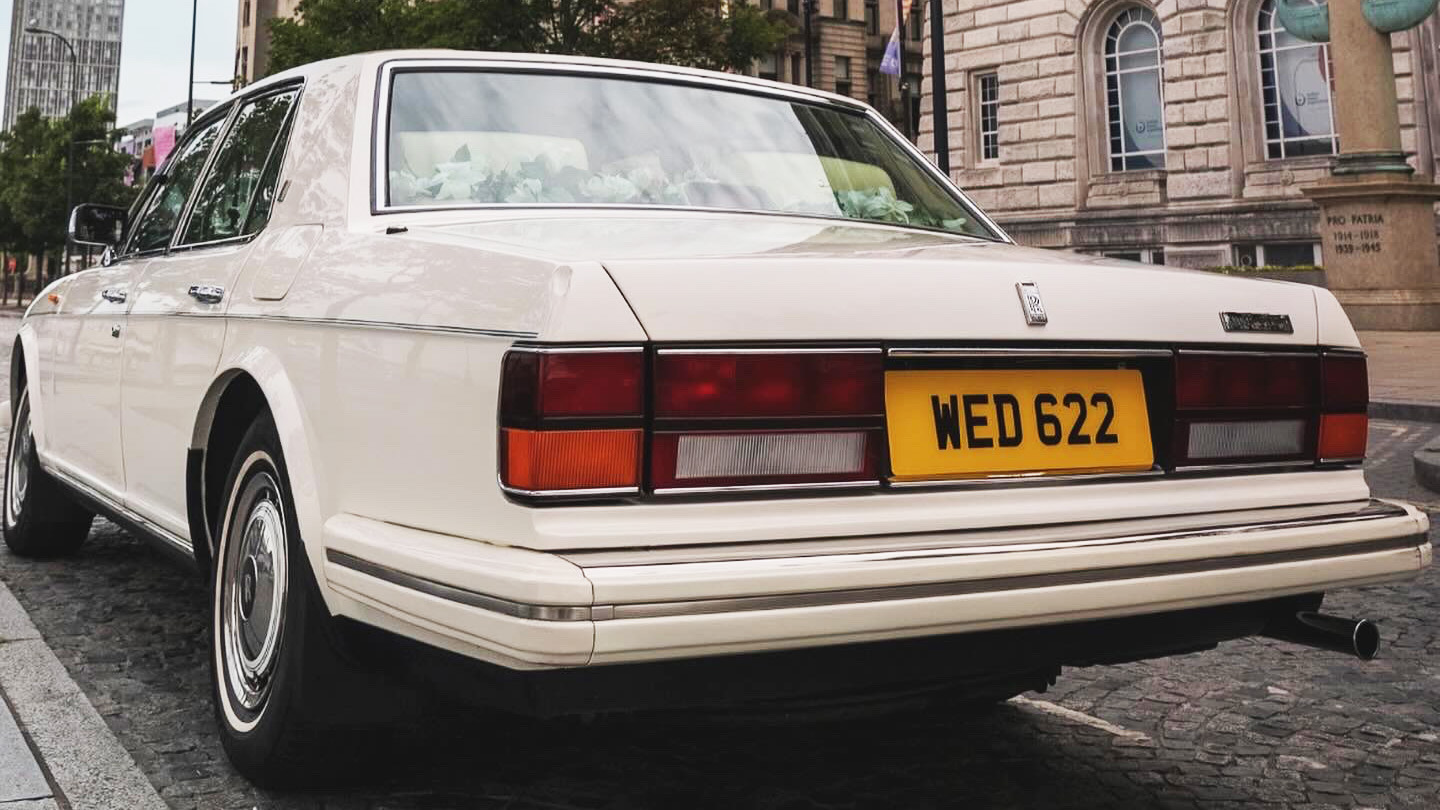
(576, 383)
(572, 420)
(1345, 397)
(764, 419)
(1247, 408)
(751, 385)
(1239, 381)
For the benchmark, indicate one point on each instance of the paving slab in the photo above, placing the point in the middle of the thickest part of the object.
(91, 769)
(20, 775)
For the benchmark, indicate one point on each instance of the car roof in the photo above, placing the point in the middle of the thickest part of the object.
(373, 60)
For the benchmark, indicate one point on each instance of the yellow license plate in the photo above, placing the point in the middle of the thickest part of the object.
(973, 424)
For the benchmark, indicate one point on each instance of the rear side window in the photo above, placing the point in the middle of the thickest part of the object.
(156, 222)
(235, 198)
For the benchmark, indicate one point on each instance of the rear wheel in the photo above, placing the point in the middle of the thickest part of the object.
(41, 519)
(278, 680)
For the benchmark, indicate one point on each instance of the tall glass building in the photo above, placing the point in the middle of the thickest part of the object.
(40, 69)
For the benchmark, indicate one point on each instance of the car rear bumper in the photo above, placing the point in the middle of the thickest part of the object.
(529, 609)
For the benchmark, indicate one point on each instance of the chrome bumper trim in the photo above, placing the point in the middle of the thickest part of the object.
(520, 610)
(1375, 510)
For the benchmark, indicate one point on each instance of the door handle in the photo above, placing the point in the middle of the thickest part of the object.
(207, 293)
(113, 295)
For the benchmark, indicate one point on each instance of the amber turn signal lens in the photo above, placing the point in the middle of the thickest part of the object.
(571, 459)
(1343, 436)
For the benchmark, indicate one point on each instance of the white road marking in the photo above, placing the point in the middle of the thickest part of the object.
(1056, 710)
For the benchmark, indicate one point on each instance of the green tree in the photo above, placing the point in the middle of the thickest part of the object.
(34, 155)
(716, 34)
(713, 34)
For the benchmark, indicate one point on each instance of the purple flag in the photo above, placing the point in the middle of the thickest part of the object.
(890, 62)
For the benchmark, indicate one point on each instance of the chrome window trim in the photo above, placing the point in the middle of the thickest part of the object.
(1374, 510)
(380, 126)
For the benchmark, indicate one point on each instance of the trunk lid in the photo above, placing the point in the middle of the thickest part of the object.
(740, 277)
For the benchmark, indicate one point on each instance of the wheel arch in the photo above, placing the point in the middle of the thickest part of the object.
(24, 363)
(254, 384)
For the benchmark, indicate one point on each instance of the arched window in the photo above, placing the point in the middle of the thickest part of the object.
(1132, 91)
(1295, 88)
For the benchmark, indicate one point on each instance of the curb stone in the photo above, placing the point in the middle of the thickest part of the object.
(1427, 466)
(1406, 411)
(89, 767)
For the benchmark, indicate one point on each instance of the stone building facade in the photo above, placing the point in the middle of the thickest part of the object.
(252, 36)
(1178, 131)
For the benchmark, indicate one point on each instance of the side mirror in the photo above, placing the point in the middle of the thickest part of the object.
(98, 225)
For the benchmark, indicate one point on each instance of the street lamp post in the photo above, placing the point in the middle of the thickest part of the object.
(190, 99)
(74, 100)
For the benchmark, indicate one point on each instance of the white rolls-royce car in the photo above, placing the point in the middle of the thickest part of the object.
(601, 386)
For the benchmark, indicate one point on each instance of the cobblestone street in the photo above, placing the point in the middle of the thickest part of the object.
(1255, 723)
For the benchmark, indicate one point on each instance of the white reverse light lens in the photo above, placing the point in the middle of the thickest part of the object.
(757, 455)
(1256, 439)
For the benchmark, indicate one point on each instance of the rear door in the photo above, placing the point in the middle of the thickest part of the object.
(177, 324)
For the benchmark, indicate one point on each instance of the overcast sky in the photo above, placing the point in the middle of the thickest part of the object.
(155, 53)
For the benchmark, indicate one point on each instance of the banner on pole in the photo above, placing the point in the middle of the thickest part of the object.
(890, 62)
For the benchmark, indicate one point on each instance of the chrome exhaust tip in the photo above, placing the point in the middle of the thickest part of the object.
(1357, 637)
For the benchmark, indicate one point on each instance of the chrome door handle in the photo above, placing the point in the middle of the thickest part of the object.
(113, 295)
(207, 293)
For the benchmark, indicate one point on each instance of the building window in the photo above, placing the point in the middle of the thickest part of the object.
(1295, 89)
(768, 67)
(872, 16)
(1278, 254)
(1132, 91)
(917, 22)
(842, 75)
(245, 14)
(1142, 255)
(797, 74)
(987, 91)
(793, 6)
(842, 9)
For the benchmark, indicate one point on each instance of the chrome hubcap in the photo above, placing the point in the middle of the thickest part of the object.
(254, 599)
(18, 471)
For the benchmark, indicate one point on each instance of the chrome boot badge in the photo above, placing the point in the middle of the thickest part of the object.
(1032, 304)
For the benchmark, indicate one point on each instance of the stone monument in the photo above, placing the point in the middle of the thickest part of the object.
(1377, 220)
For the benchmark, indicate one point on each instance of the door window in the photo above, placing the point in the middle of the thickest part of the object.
(156, 222)
(234, 200)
